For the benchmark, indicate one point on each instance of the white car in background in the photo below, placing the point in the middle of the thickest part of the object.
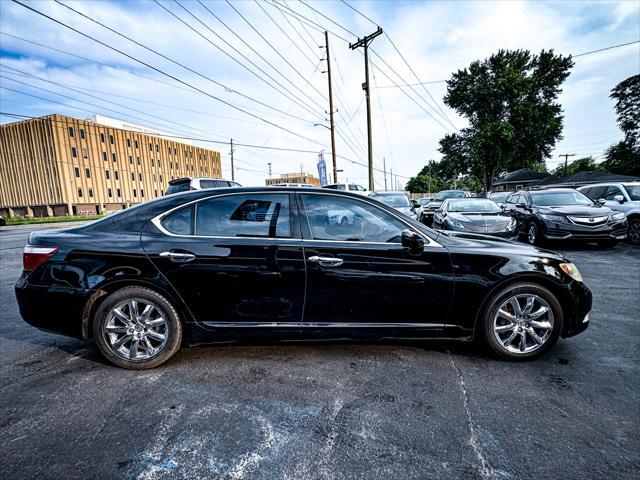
(348, 187)
(198, 183)
(621, 197)
(304, 185)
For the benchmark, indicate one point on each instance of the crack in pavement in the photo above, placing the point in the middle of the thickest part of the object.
(485, 470)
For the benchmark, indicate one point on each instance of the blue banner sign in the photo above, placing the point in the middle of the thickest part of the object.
(322, 169)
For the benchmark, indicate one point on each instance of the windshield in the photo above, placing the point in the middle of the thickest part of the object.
(556, 199)
(634, 192)
(424, 201)
(178, 187)
(444, 195)
(473, 206)
(399, 200)
(499, 196)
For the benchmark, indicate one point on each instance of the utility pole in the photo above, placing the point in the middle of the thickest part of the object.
(384, 170)
(364, 42)
(566, 157)
(233, 173)
(269, 169)
(392, 180)
(333, 133)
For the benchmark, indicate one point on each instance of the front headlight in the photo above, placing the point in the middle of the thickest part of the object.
(455, 222)
(554, 218)
(571, 270)
(617, 217)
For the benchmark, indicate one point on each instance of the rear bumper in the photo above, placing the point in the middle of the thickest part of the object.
(53, 309)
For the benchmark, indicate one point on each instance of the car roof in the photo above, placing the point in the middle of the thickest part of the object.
(547, 190)
(398, 192)
(606, 184)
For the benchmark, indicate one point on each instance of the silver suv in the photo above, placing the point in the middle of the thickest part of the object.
(622, 197)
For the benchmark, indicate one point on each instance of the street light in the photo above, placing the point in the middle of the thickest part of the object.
(321, 125)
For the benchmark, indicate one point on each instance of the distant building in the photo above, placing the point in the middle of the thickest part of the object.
(298, 177)
(517, 180)
(59, 165)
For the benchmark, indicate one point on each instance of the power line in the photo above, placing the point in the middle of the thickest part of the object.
(605, 48)
(412, 84)
(168, 75)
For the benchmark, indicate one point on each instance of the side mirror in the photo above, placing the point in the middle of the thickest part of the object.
(619, 198)
(521, 205)
(415, 204)
(412, 241)
(602, 201)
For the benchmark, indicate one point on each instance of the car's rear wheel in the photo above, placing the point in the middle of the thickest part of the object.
(137, 328)
(522, 321)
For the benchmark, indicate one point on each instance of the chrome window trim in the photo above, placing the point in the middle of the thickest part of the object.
(157, 221)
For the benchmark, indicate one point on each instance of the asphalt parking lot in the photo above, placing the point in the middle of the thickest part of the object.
(315, 411)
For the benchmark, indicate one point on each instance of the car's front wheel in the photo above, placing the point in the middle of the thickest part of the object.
(634, 231)
(137, 328)
(522, 321)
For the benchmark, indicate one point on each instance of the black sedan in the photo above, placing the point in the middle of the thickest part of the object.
(478, 215)
(213, 266)
(563, 214)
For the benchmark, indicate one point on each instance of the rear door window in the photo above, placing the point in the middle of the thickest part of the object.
(180, 222)
(251, 215)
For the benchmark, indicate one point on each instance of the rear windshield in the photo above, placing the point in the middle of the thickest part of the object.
(399, 200)
(178, 187)
(444, 195)
(499, 196)
(213, 183)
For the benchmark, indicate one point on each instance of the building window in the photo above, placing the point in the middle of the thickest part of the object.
(130, 159)
(157, 148)
(106, 174)
(74, 152)
(113, 157)
(115, 174)
(111, 139)
(104, 156)
(155, 193)
(142, 192)
(135, 193)
(132, 177)
(136, 143)
(128, 142)
(118, 192)
(109, 193)
(91, 193)
(162, 192)
(154, 178)
(152, 164)
(140, 176)
(77, 170)
(82, 133)
(102, 137)
(161, 177)
(85, 153)
(80, 192)
(159, 163)
(138, 160)
(87, 172)
(71, 132)
(150, 147)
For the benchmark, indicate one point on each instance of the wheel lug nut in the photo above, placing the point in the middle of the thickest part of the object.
(519, 329)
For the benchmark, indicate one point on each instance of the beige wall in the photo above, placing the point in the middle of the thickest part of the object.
(96, 165)
(293, 178)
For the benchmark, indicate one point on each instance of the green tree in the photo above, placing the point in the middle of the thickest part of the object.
(510, 102)
(624, 156)
(585, 164)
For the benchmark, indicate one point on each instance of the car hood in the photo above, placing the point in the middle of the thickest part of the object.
(493, 245)
(405, 210)
(577, 210)
(481, 218)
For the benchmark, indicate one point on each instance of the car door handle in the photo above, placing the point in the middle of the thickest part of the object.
(326, 261)
(178, 257)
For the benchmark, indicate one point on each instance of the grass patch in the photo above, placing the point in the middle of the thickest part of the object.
(70, 218)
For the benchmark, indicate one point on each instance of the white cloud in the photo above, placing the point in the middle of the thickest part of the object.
(437, 38)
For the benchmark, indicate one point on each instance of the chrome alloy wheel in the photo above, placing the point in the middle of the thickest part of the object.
(523, 323)
(532, 235)
(136, 329)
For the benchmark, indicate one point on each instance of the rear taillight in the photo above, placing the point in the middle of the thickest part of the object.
(35, 256)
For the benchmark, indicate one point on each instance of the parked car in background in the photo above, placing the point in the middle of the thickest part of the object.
(621, 197)
(214, 265)
(198, 183)
(398, 200)
(348, 187)
(433, 205)
(564, 213)
(477, 215)
(499, 197)
(423, 202)
(302, 185)
(3, 222)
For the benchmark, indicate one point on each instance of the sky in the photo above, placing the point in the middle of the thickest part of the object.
(256, 72)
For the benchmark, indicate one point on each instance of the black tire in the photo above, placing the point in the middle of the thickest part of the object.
(533, 234)
(164, 308)
(634, 231)
(607, 243)
(498, 300)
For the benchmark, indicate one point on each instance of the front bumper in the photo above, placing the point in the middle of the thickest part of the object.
(570, 231)
(577, 310)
